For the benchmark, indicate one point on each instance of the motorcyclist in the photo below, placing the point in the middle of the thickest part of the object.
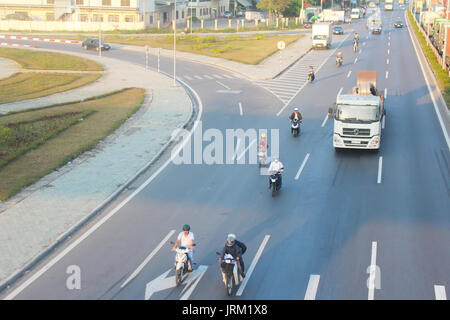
(339, 56)
(263, 143)
(356, 37)
(311, 71)
(186, 239)
(236, 249)
(276, 167)
(295, 114)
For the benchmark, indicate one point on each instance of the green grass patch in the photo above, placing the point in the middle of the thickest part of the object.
(30, 85)
(244, 49)
(34, 143)
(442, 77)
(42, 60)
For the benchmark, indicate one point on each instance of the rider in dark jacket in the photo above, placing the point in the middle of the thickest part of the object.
(236, 249)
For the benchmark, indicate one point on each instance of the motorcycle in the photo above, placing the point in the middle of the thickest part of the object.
(262, 157)
(295, 127)
(231, 273)
(311, 76)
(274, 182)
(355, 45)
(181, 263)
(339, 62)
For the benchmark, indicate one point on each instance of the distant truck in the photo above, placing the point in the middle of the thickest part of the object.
(358, 115)
(321, 35)
(335, 16)
(355, 14)
(389, 5)
(375, 24)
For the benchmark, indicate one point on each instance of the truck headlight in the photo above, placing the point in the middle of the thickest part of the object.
(375, 141)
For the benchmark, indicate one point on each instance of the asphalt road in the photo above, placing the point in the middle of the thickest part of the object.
(320, 234)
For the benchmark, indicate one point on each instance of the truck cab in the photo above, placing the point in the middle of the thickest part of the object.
(358, 115)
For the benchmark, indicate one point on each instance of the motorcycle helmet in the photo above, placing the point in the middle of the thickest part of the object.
(295, 109)
(263, 135)
(186, 227)
(230, 239)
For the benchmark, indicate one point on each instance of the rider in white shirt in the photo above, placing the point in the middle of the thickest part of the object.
(276, 167)
(186, 239)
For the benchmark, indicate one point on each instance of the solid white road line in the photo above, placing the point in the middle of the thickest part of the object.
(144, 263)
(385, 93)
(243, 152)
(340, 90)
(439, 292)
(380, 169)
(253, 265)
(240, 109)
(383, 122)
(53, 261)
(373, 263)
(349, 73)
(227, 87)
(301, 167)
(324, 121)
(313, 284)
(387, 74)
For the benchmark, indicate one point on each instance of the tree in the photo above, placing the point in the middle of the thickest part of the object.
(275, 7)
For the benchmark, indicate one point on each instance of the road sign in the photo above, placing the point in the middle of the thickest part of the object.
(281, 45)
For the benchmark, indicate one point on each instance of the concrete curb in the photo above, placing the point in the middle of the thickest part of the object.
(16, 276)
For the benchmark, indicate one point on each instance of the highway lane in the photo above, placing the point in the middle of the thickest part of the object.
(323, 223)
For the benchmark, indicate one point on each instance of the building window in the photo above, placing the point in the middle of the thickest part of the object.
(50, 16)
(129, 18)
(124, 3)
(177, 15)
(182, 14)
(79, 2)
(50, 1)
(98, 18)
(113, 18)
(83, 17)
(106, 2)
(151, 19)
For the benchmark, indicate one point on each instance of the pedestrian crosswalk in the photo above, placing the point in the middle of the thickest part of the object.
(286, 86)
(194, 77)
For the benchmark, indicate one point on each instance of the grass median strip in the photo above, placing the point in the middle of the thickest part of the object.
(30, 85)
(34, 143)
(442, 77)
(244, 49)
(31, 59)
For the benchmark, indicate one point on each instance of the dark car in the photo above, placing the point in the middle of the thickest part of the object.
(338, 30)
(376, 30)
(93, 44)
(398, 24)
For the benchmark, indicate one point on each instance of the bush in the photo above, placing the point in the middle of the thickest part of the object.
(219, 50)
(209, 39)
(259, 37)
(7, 136)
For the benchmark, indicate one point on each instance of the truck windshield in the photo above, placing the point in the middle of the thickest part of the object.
(354, 113)
(320, 37)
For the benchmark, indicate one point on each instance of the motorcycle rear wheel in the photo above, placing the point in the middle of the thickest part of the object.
(178, 276)
(229, 285)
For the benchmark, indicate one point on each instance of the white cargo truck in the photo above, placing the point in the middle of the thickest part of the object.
(321, 35)
(358, 116)
(355, 13)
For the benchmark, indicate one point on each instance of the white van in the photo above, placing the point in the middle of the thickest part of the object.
(355, 13)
